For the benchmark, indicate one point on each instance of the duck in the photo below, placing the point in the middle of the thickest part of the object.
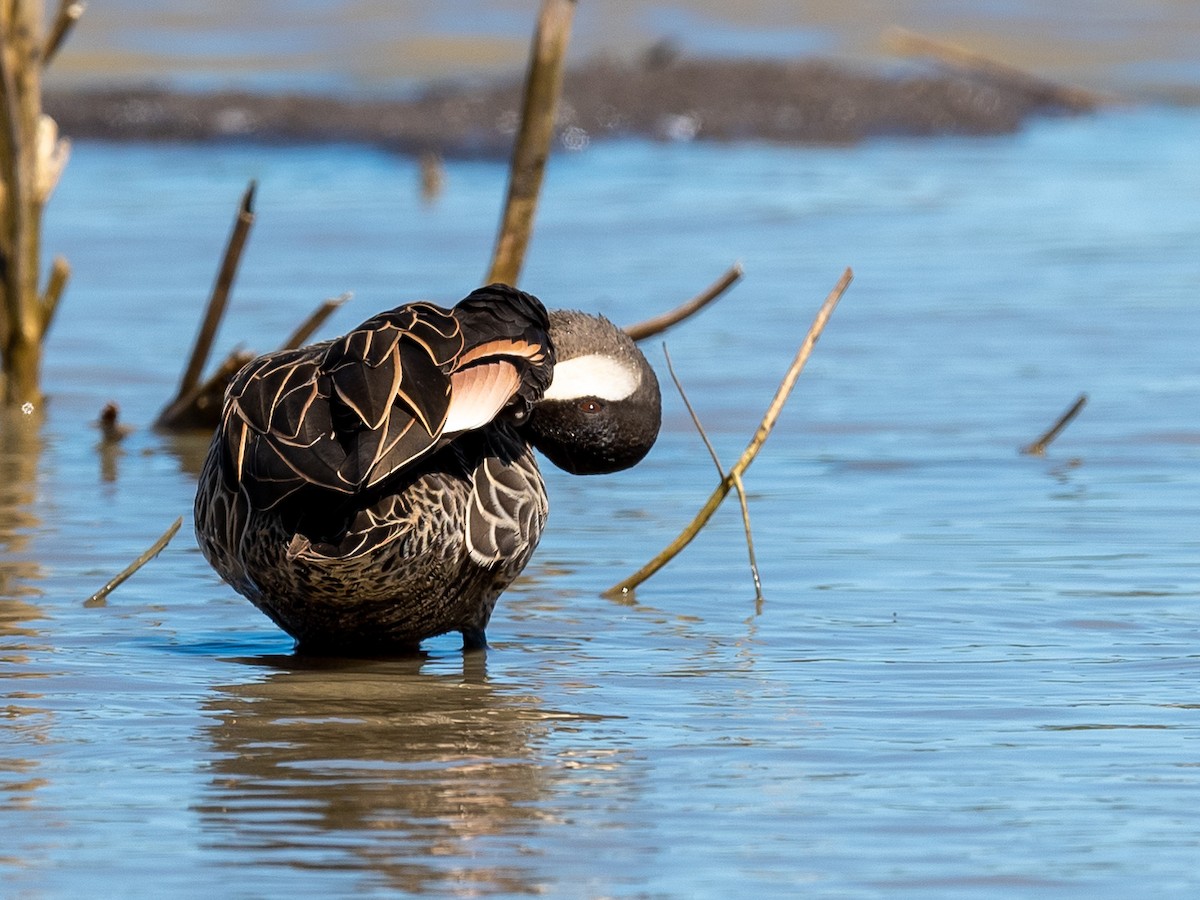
(381, 488)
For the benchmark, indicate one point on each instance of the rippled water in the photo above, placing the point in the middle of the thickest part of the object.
(974, 671)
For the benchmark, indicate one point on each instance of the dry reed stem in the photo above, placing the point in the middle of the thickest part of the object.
(60, 273)
(909, 43)
(1038, 447)
(315, 320)
(69, 12)
(219, 299)
(659, 324)
(737, 483)
(21, 332)
(201, 406)
(543, 85)
(760, 436)
(98, 598)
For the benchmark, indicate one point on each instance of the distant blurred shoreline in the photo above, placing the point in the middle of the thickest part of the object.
(663, 97)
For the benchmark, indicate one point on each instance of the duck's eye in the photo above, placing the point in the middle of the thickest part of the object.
(591, 405)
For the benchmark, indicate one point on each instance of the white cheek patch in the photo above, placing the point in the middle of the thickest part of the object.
(594, 375)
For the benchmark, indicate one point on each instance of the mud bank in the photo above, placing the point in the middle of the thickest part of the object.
(664, 98)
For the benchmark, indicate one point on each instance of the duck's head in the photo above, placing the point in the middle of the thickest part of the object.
(602, 410)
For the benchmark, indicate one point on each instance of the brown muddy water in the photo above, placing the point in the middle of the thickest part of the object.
(973, 673)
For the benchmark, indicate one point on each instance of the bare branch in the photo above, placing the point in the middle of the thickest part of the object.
(1038, 447)
(543, 84)
(315, 320)
(98, 598)
(737, 481)
(69, 13)
(741, 492)
(659, 324)
(60, 273)
(712, 451)
(201, 406)
(220, 293)
(751, 451)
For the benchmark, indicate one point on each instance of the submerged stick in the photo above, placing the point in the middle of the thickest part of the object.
(543, 85)
(98, 598)
(737, 483)
(760, 436)
(220, 293)
(659, 324)
(1038, 447)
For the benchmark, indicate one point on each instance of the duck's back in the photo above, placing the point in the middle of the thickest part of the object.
(372, 490)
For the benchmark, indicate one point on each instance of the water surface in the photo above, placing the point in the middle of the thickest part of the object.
(973, 674)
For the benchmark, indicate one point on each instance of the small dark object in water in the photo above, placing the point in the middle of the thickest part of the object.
(112, 431)
(378, 489)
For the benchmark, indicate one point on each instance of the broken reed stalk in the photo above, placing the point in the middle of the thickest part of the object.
(69, 13)
(760, 436)
(32, 158)
(659, 324)
(315, 320)
(201, 406)
(543, 85)
(909, 43)
(218, 301)
(98, 598)
(737, 482)
(1038, 447)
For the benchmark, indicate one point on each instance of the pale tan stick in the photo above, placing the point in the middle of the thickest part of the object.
(747, 457)
(737, 482)
(1038, 447)
(98, 598)
(659, 324)
(220, 293)
(69, 13)
(314, 321)
(909, 43)
(543, 84)
(60, 273)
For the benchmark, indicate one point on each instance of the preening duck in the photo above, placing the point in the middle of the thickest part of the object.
(380, 488)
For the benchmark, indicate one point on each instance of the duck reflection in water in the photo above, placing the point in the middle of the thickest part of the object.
(380, 767)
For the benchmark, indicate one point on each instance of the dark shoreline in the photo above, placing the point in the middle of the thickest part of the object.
(807, 102)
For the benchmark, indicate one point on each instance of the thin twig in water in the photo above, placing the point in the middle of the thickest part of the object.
(543, 85)
(98, 598)
(747, 457)
(220, 293)
(737, 483)
(1038, 447)
(316, 319)
(659, 324)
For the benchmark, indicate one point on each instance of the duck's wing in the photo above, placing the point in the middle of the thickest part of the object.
(343, 416)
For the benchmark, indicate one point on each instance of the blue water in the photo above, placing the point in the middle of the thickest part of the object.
(973, 673)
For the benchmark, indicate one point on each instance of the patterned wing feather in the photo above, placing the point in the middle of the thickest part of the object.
(341, 417)
(507, 511)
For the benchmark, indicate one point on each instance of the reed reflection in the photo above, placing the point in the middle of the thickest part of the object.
(26, 724)
(20, 450)
(380, 767)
